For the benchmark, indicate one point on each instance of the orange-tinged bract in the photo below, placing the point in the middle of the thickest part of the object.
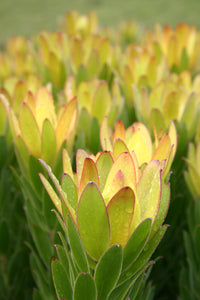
(37, 128)
(112, 193)
(136, 140)
(180, 46)
(174, 99)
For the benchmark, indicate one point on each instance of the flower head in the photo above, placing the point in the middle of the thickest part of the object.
(109, 197)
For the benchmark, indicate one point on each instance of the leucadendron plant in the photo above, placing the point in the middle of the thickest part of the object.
(111, 210)
(95, 100)
(35, 124)
(180, 46)
(176, 98)
(39, 129)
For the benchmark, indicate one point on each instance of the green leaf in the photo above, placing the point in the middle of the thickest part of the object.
(52, 194)
(121, 290)
(48, 142)
(72, 268)
(59, 189)
(33, 215)
(61, 282)
(42, 242)
(70, 189)
(35, 168)
(76, 246)
(63, 258)
(94, 140)
(93, 223)
(108, 271)
(37, 295)
(50, 218)
(136, 243)
(148, 250)
(85, 288)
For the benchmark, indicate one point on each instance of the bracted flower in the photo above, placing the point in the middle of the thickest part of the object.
(136, 139)
(108, 197)
(35, 125)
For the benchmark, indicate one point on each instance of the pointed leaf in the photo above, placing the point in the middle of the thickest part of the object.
(108, 271)
(93, 223)
(85, 288)
(120, 212)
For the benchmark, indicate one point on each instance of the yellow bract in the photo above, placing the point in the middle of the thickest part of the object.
(136, 140)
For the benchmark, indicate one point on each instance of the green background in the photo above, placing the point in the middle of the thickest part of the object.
(27, 17)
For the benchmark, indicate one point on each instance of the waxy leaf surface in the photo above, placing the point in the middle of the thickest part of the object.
(92, 220)
(120, 212)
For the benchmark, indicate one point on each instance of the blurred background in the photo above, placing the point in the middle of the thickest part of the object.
(22, 17)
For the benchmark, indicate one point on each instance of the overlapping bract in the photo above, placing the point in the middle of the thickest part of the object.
(36, 127)
(136, 139)
(174, 99)
(110, 195)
